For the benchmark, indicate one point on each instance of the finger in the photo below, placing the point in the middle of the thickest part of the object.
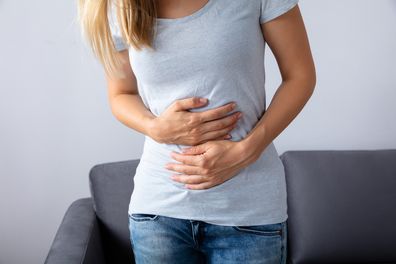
(195, 150)
(186, 159)
(228, 136)
(218, 133)
(200, 186)
(185, 104)
(221, 123)
(191, 179)
(216, 113)
(185, 169)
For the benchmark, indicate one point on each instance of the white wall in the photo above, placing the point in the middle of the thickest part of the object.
(353, 106)
(56, 123)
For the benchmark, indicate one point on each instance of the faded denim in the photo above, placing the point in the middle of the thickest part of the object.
(162, 239)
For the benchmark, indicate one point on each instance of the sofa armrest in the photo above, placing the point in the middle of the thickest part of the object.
(77, 239)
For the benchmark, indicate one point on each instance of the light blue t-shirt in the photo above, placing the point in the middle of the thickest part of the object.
(217, 52)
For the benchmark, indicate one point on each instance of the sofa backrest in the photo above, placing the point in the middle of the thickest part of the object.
(341, 206)
(111, 186)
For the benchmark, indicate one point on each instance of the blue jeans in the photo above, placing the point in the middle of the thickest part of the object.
(161, 239)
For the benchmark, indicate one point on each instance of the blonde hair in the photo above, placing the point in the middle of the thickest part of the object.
(136, 21)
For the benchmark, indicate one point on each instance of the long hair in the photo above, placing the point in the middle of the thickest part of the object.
(136, 21)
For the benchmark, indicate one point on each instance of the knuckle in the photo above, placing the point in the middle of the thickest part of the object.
(202, 162)
(230, 121)
(205, 167)
(195, 140)
(195, 131)
(193, 119)
(205, 171)
(177, 104)
(201, 117)
(198, 118)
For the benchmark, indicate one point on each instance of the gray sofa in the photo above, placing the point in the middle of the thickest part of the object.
(341, 209)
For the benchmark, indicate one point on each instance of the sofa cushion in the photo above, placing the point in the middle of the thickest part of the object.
(341, 206)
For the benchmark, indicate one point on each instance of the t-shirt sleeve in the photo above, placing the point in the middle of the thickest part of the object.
(271, 9)
(115, 30)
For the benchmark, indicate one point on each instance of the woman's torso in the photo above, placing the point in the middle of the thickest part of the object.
(216, 53)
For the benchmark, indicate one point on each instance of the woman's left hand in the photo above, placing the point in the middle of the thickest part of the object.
(211, 163)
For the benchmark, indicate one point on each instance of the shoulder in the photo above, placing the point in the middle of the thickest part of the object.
(270, 9)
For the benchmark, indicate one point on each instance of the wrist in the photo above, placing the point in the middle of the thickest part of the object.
(152, 128)
(246, 151)
(254, 143)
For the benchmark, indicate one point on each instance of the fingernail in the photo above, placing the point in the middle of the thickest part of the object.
(202, 100)
(239, 114)
(228, 136)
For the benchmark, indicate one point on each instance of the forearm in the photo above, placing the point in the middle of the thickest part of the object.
(287, 102)
(130, 110)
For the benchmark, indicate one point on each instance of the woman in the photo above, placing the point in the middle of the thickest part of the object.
(210, 185)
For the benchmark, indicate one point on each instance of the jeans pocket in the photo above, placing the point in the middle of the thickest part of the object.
(143, 217)
(263, 230)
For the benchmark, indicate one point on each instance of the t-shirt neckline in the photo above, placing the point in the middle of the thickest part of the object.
(197, 13)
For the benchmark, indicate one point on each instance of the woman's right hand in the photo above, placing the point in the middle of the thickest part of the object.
(177, 125)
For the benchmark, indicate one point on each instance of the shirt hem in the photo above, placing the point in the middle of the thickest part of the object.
(234, 222)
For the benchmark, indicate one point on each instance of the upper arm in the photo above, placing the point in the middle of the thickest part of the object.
(284, 31)
(128, 83)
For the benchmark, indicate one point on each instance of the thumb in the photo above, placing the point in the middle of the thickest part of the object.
(194, 150)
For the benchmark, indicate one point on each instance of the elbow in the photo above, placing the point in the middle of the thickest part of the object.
(311, 81)
(113, 105)
(302, 75)
(311, 77)
(113, 99)
(307, 78)
(303, 80)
